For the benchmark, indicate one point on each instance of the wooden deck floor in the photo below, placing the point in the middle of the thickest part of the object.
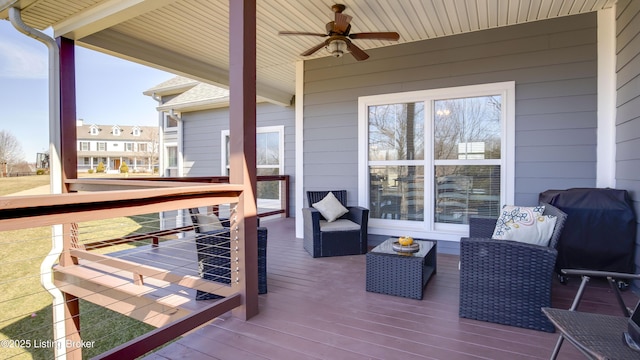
(319, 309)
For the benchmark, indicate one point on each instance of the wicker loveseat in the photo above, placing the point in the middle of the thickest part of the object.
(213, 249)
(507, 282)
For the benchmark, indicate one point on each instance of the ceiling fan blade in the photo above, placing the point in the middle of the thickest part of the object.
(357, 53)
(300, 33)
(314, 49)
(376, 35)
(341, 23)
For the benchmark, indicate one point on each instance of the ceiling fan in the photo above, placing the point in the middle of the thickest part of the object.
(339, 40)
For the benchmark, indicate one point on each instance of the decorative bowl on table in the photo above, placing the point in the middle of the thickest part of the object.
(405, 244)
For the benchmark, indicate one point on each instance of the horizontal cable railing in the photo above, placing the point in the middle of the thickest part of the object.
(133, 252)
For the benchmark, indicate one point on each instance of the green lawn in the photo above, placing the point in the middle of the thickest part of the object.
(25, 308)
(10, 185)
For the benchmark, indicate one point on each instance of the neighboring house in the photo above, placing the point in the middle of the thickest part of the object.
(113, 145)
(195, 130)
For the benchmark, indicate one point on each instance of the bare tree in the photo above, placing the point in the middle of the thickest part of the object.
(461, 122)
(149, 150)
(396, 132)
(10, 151)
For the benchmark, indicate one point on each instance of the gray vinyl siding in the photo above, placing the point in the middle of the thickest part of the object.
(553, 64)
(202, 140)
(628, 103)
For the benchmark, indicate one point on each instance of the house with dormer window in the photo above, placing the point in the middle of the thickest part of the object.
(113, 145)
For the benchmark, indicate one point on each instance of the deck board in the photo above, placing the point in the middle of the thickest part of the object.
(319, 309)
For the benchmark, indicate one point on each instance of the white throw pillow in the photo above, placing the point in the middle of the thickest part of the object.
(525, 224)
(330, 207)
(208, 223)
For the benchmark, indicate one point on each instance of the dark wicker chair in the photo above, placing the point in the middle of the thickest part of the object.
(349, 233)
(507, 282)
(213, 249)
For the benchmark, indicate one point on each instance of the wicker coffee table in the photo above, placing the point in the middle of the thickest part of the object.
(400, 274)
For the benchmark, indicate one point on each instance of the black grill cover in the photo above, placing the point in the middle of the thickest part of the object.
(600, 230)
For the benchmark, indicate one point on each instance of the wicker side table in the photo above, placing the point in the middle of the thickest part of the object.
(406, 275)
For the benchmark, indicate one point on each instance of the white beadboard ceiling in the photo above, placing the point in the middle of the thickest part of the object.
(190, 37)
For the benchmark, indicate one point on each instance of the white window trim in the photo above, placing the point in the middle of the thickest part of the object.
(428, 228)
(264, 129)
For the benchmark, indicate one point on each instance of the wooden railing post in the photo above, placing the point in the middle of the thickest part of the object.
(285, 197)
(242, 145)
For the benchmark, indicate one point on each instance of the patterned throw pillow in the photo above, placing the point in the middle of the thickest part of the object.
(525, 224)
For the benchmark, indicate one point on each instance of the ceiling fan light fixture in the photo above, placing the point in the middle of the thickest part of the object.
(337, 48)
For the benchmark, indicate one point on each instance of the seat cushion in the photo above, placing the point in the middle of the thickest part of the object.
(208, 223)
(338, 225)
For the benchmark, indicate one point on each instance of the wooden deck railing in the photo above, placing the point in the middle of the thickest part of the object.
(80, 273)
(284, 189)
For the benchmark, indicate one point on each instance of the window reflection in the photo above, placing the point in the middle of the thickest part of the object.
(396, 132)
(467, 128)
(463, 191)
(397, 192)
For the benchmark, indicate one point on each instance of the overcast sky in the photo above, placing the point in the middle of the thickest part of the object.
(108, 89)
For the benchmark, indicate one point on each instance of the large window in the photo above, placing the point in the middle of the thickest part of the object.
(430, 159)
